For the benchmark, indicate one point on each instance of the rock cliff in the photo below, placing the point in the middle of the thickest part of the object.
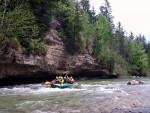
(18, 67)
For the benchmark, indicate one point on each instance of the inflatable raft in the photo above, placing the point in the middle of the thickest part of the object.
(65, 85)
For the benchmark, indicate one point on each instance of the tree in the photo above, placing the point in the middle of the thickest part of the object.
(71, 26)
(19, 25)
(137, 59)
(148, 51)
(102, 38)
(85, 5)
(120, 35)
(92, 15)
(106, 11)
(131, 36)
(43, 11)
(88, 32)
(78, 44)
(141, 38)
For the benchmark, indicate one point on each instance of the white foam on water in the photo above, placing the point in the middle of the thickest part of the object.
(38, 89)
(88, 85)
(72, 111)
(113, 88)
(33, 104)
(27, 104)
(39, 111)
(66, 89)
(23, 91)
(110, 88)
(106, 90)
(32, 90)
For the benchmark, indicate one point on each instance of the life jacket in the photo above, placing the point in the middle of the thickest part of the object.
(71, 81)
(52, 82)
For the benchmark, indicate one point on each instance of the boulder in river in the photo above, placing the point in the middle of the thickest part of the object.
(135, 82)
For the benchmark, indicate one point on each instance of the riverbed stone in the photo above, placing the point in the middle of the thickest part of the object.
(135, 82)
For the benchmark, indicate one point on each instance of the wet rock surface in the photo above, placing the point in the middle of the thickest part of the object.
(135, 82)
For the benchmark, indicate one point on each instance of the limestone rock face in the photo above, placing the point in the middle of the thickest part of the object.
(16, 64)
(61, 61)
(55, 50)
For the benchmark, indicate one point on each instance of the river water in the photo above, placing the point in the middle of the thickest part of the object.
(94, 96)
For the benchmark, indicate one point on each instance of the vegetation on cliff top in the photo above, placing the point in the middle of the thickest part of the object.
(23, 22)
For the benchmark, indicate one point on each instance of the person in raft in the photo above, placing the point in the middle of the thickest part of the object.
(68, 79)
(61, 80)
(71, 80)
(56, 80)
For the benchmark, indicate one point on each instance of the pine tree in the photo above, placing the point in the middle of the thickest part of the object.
(101, 49)
(106, 11)
(137, 59)
(131, 36)
(19, 25)
(120, 35)
(85, 5)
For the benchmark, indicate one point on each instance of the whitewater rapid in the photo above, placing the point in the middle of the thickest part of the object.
(92, 97)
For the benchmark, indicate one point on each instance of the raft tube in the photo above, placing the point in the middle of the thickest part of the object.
(65, 85)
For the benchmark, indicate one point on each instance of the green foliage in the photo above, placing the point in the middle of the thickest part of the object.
(8, 44)
(19, 25)
(20, 22)
(37, 47)
(120, 64)
(101, 50)
(148, 52)
(88, 30)
(137, 59)
(85, 5)
(43, 10)
(120, 40)
(106, 11)
(69, 16)
(24, 22)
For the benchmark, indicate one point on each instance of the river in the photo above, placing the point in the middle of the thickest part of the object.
(94, 96)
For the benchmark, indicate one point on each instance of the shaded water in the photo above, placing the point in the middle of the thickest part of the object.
(95, 96)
